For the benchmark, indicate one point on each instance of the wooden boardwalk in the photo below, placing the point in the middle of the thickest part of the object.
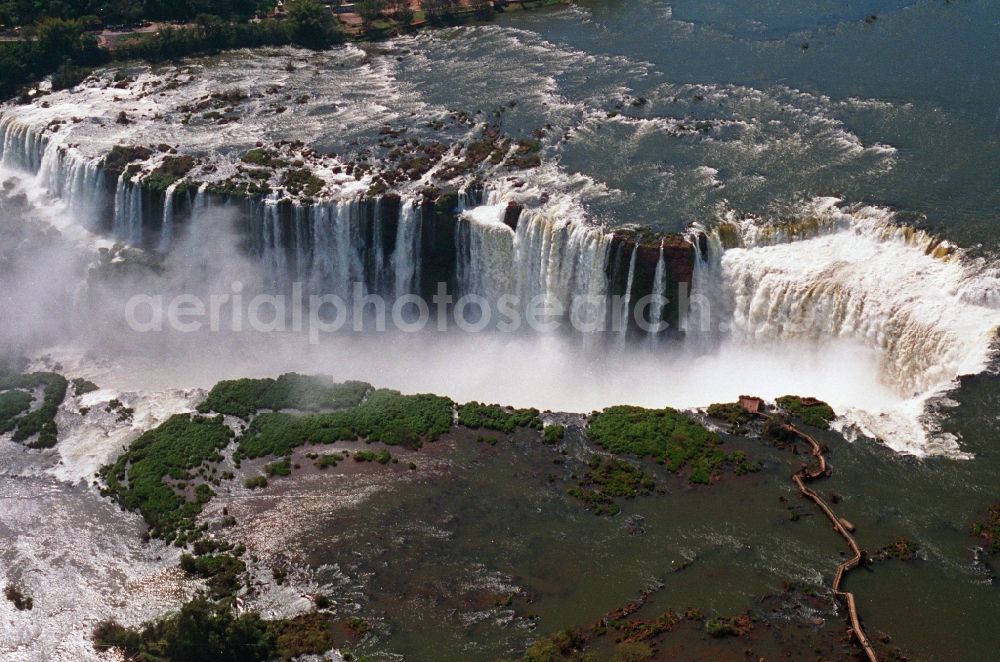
(800, 478)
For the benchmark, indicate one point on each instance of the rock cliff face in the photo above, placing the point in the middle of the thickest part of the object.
(632, 271)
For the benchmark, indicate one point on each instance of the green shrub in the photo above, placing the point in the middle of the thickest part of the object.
(222, 572)
(562, 645)
(12, 404)
(40, 423)
(553, 434)
(83, 386)
(382, 457)
(477, 415)
(255, 482)
(989, 528)
(664, 434)
(244, 397)
(203, 631)
(721, 627)
(138, 479)
(736, 417)
(281, 468)
(328, 460)
(386, 416)
(810, 411)
(609, 478)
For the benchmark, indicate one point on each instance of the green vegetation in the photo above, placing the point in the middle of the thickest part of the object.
(563, 645)
(386, 416)
(667, 435)
(721, 627)
(138, 480)
(328, 460)
(733, 413)
(17, 597)
(110, 12)
(263, 157)
(900, 549)
(809, 410)
(280, 468)
(256, 482)
(244, 397)
(222, 572)
(12, 404)
(171, 170)
(117, 406)
(989, 528)
(609, 478)
(65, 42)
(477, 415)
(15, 391)
(382, 457)
(121, 156)
(553, 434)
(302, 182)
(58, 45)
(203, 631)
(83, 386)
(743, 465)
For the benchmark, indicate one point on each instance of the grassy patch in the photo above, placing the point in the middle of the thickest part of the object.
(809, 410)
(138, 480)
(477, 415)
(386, 416)
(244, 397)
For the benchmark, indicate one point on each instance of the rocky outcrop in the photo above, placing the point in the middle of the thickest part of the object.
(512, 215)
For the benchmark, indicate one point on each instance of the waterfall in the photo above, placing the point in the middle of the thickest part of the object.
(127, 224)
(551, 253)
(60, 170)
(23, 144)
(167, 230)
(379, 236)
(659, 293)
(708, 303)
(855, 276)
(405, 257)
(627, 299)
